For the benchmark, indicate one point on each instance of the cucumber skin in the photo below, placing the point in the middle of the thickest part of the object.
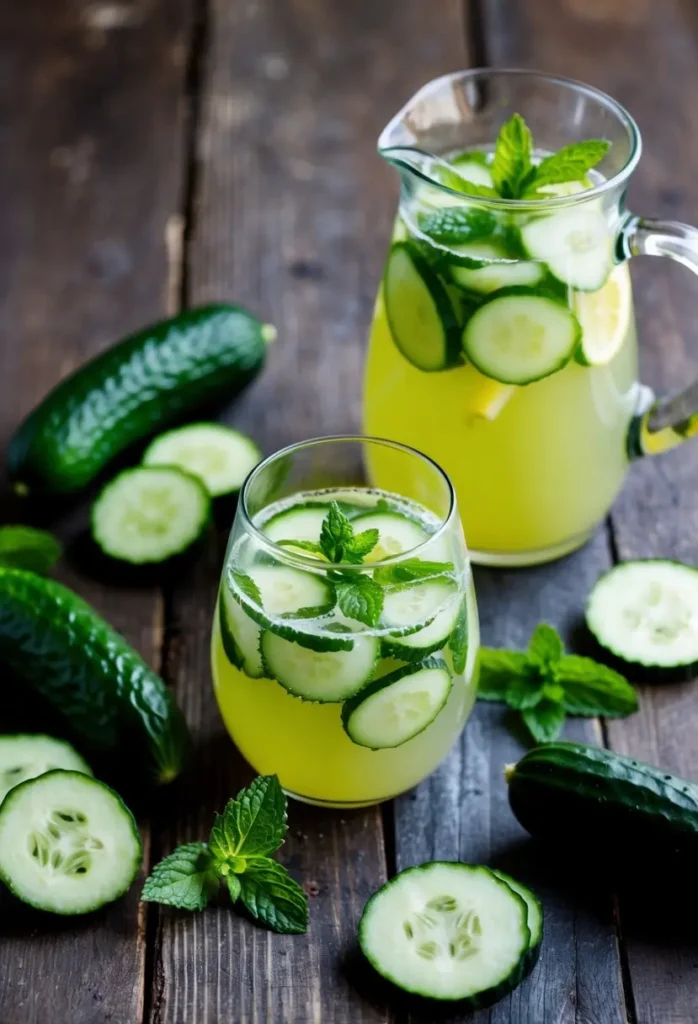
(562, 789)
(137, 387)
(54, 641)
(136, 864)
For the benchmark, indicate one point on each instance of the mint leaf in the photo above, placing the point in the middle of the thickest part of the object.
(304, 545)
(273, 897)
(247, 586)
(512, 157)
(458, 642)
(360, 598)
(23, 547)
(497, 669)
(186, 879)
(592, 689)
(455, 225)
(363, 543)
(234, 886)
(570, 163)
(545, 720)
(410, 570)
(545, 646)
(252, 825)
(524, 691)
(337, 540)
(453, 180)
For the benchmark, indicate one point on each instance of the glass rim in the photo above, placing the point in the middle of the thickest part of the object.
(315, 563)
(574, 84)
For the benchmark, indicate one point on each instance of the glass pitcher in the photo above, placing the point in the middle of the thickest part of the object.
(503, 341)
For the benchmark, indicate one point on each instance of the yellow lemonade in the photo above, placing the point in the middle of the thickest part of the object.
(300, 712)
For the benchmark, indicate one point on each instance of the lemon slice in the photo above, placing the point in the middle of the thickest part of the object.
(604, 316)
(484, 397)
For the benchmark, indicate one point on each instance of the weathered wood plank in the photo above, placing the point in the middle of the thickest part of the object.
(292, 213)
(91, 137)
(612, 45)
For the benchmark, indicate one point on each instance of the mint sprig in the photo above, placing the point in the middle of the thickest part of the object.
(545, 685)
(512, 157)
(23, 547)
(251, 827)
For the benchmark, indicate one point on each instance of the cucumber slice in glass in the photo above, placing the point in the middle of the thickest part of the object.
(26, 755)
(521, 337)
(449, 931)
(149, 514)
(398, 706)
(575, 245)
(484, 267)
(327, 677)
(68, 843)
(301, 522)
(240, 636)
(396, 534)
(434, 601)
(420, 314)
(219, 456)
(646, 612)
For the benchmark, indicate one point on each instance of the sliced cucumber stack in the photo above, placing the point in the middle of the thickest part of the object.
(327, 677)
(240, 635)
(448, 931)
(485, 267)
(27, 755)
(646, 612)
(149, 514)
(521, 337)
(398, 706)
(420, 314)
(219, 456)
(68, 844)
(575, 245)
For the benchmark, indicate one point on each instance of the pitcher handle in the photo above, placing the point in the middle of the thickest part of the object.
(672, 419)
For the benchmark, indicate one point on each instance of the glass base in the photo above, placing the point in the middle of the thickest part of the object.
(338, 805)
(519, 559)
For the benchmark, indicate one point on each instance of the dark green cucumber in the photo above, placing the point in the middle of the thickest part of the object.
(139, 386)
(52, 640)
(611, 805)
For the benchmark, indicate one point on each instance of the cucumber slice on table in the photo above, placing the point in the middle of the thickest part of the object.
(150, 513)
(68, 843)
(420, 314)
(484, 267)
(575, 245)
(240, 635)
(398, 706)
(405, 609)
(26, 755)
(448, 931)
(646, 612)
(53, 641)
(521, 337)
(534, 917)
(397, 534)
(219, 456)
(322, 676)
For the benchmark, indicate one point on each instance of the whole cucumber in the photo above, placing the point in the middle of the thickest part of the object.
(136, 388)
(55, 642)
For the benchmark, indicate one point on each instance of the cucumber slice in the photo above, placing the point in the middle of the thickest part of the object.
(421, 317)
(522, 337)
(646, 612)
(219, 456)
(398, 706)
(25, 756)
(150, 513)
(68, 843)
(301, 522)
(483, 267)
(448, 931)
(407, 607)
(240, 635)
(575, 245)
(534, 907)
(327, 677)
(396, 534)
(473, 169)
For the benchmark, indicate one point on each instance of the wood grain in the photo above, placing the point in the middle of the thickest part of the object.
(91, 138)
(612, 45)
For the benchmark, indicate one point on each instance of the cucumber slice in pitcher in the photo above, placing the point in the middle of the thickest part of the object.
(68, 843)
(149, 514)
(326, 677)
(521, 337)
(398, 706)
(420, 314)
(484, 267)
(25, 756)
(449, 931)
(218, 455)
(575, 245)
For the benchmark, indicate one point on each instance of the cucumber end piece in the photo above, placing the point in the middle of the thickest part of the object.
(509, 770)
(268, 334)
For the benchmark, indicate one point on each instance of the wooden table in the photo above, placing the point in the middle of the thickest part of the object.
(157, 153)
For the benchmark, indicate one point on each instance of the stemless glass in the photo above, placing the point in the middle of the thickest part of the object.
(347, 706)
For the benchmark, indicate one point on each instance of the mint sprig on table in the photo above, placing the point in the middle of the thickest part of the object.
(238, 853)
(545, 685)
(514, 174)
